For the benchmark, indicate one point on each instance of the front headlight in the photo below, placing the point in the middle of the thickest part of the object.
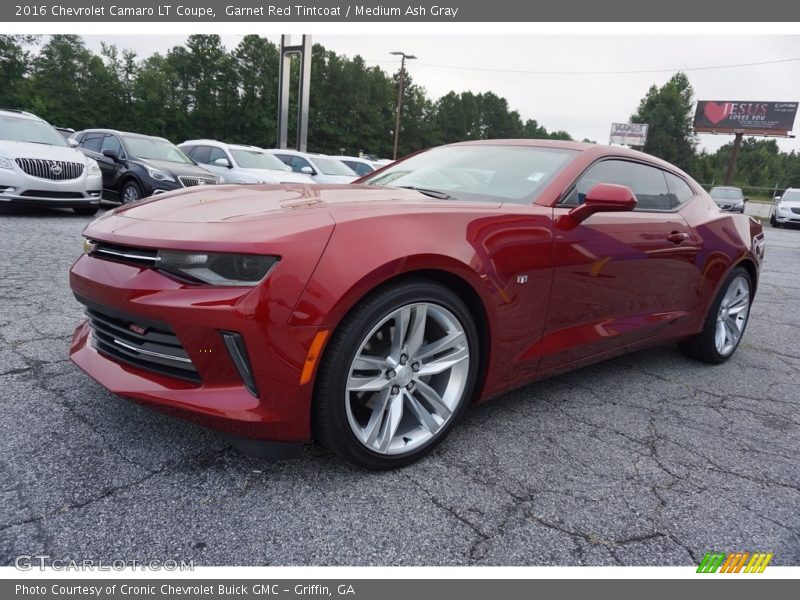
(217, 268)
(159, 175)
(5, 163)
(93, 168)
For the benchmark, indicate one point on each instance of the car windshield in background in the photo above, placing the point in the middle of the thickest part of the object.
(793, 196)
(331, 166)
(726, 193)
(253, 159)
(508, 173)
(15, 129)
(156, 149)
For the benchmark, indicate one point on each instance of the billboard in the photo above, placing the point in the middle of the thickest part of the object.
(630, 134)
(752, 118)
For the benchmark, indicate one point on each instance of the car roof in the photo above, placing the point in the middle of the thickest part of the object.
(594, 151)
(21, 114)
(219, 144)
(355, 158)
(297, 152)
(124, 134)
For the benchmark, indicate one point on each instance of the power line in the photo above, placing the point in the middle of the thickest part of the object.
(421, 63)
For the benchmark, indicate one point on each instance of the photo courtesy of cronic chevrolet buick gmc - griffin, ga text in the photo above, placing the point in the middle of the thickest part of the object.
(369, 316)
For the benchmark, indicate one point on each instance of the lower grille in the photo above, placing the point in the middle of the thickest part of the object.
(48, 194)
(192, 181)
(57, 170)
(155, 349)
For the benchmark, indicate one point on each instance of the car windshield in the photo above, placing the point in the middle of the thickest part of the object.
(16, 129)
(156, 149)
(507, 173)
(792, 196)
(255, 159)
(331, 166)
(726, 193)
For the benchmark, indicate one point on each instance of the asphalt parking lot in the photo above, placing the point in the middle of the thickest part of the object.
(650, 459)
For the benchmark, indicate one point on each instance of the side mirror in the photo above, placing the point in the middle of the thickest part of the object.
(112, 154)
(307, 170)
(776, 198)
(223, 162)
(72, 142)
(604, 197)
(746, 199)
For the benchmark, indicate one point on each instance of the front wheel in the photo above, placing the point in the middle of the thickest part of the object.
(396, 376)
(131, 192)
(726, 321)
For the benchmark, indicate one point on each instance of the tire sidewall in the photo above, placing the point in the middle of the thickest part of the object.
(135, 186)
(351, 335)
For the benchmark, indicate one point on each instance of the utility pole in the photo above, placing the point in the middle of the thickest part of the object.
(400, 98)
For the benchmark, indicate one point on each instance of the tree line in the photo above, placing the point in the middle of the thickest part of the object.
(202, 89)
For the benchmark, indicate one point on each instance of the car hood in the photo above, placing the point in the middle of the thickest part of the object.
(232, 203)
(278, 175)
(790, 204)
(177, 168)
(13, 150)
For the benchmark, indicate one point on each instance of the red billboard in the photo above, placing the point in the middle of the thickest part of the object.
(750, 118)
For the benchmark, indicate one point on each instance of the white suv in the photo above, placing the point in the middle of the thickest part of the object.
(38, 167)
(322, 168)
(237, 163)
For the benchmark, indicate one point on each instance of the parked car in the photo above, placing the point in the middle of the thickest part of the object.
(786, 208)
(728, 198)
(39, 168)
(373, 314)
(237, 163)
(135, 166)
(66, 132)
(321, 168)
(361, 166)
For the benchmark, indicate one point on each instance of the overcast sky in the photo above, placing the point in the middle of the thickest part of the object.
(583, 104)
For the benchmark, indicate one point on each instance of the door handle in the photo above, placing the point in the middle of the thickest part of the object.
(678, 237)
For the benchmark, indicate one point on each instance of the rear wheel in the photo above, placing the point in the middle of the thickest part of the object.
(396, 376)
(725, 323)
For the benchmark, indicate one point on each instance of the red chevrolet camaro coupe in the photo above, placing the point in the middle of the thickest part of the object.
(370, 315)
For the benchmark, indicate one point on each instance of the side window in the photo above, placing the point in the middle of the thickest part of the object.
(189, 150)
(201, 154)
(110, 142)
(679, 189)
(298, 163)
(92, 141)
(359, 168)
(216, 153)
(648, 183)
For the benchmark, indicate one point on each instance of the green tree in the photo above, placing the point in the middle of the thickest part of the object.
(668, 110)
(14, 60)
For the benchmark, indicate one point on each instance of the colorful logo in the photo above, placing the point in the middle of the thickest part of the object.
(734, 562)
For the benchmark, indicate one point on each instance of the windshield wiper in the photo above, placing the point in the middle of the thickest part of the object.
(432, 193)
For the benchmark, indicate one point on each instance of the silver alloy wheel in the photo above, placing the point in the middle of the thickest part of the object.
(732, 316)
(129, 194)
(407, 379)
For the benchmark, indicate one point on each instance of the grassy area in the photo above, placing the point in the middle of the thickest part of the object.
(761, 199)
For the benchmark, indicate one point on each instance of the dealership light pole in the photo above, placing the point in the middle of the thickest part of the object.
(399, 97)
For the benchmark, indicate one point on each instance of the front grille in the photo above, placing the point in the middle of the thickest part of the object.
(141, 257)
(153, 348)
(49, 194)
(57, 170)
(796, 211)
(188, 181)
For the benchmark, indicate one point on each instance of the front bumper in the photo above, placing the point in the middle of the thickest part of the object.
(787, 217)
(19, 188)
(198, 315)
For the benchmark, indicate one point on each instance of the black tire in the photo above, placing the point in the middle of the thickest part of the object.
(130, 188)
(86, 211)
(702, 346)
(329, 409)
